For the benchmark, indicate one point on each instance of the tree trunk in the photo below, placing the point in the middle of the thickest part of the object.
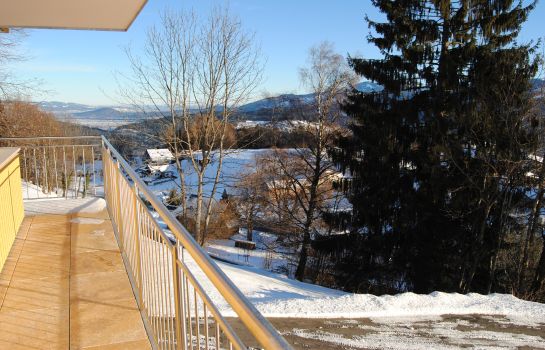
(198, 216)
(538, 283)
(303, 257)
(476, 253)
(530, 232)
(249, 229)
(506, 207)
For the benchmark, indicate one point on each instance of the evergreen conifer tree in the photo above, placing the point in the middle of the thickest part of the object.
(435, 156)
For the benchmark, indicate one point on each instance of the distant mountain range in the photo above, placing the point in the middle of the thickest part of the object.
(293, 100)
(58, 108)
(81, 110)
(109, 117)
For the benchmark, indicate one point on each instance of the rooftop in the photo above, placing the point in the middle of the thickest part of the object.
(70, 14)
(159, 154)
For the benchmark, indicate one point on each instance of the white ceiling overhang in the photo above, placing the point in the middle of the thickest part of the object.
(70, 14)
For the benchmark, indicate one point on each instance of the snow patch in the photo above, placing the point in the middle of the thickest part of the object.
(93, 206)
(87, 221)
(275, 295)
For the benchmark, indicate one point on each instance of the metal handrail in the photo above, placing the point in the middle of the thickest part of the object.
(49, 138)
(256, 324)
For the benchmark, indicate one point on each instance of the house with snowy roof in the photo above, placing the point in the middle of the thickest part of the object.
(158, 159)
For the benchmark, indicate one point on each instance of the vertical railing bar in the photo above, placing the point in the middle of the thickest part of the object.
(56, 171)
(45, 173)
(143, 260)
(169, 286)
(94, 170)
(84, 171)
(176, 287)
(75, 172)
(151, 296)
(197, 320)
(181, 302)
(36, 181)
(153, 280)
(189, 317)
(26, 173)
(157, 288)
(218, 340)
(149, 292)
(164, 286)
(65, 172)
(205, 325)
(137, 241)
(118, 199)
(160, 284)
(164, 291)
(176, 332)
(168, 296)
(149, 280)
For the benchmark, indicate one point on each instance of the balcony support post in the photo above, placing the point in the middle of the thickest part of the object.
(116, 188)
(136, 222)
(181, 342)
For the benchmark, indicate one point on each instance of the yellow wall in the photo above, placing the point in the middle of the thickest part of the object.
(11, 207)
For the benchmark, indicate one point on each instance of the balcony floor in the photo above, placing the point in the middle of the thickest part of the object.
(64, 285)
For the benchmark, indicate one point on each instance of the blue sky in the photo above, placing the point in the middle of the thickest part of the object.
(79, 66)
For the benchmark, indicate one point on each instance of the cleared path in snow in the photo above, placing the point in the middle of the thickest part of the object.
(426, 333)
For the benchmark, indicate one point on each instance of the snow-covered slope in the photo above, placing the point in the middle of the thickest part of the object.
(278, 296)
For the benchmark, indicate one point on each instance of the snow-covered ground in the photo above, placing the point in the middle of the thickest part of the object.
(311, 316)
(268, 255)
(277, 296)
(32, 191)
(235, 163)
(96, 183)
(64, 206)
(422, 333)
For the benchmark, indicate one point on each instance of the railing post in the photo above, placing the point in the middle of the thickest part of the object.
(181, 342)
(105, 175)
(136, 221)
(118, 205)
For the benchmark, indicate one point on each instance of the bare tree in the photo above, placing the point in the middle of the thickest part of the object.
(161, 78)
(328, 77)
(13, 87)
(195, 73)
(227, 72)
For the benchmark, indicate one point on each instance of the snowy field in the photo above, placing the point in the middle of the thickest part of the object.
(235, 163)
(268, 255)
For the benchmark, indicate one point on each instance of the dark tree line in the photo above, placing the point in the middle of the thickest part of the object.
(445, 186)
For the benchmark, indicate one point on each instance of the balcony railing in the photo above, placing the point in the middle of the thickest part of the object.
(166, 266)
(66, 167)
